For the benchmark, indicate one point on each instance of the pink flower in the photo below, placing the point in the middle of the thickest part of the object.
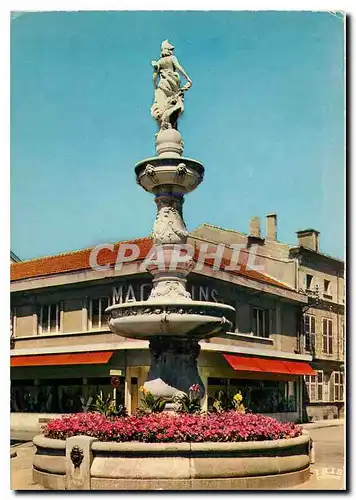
(162, 427)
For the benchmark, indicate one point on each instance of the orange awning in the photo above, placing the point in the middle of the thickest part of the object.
(78, 358)
(266, 365)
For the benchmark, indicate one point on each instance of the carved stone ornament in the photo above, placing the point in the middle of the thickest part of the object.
(172, 289)
(169, 226)
(150, 172)
(152, 309)
(77, 456)
(181, 171)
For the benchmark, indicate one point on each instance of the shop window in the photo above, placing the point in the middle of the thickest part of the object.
(68, 395)
(97, 317)
(49, 319)
(259, 396)
(102, 385)
(309, 331)
(327, 336)
(23, 396)
(260, 322)
(338, 386)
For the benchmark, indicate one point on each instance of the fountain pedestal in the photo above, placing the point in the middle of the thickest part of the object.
(173, 366)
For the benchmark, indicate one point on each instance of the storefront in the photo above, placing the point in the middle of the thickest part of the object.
(70, 383)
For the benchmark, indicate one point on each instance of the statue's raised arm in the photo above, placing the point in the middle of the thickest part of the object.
(169, 95)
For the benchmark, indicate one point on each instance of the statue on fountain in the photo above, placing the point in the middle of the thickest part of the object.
(169, 95)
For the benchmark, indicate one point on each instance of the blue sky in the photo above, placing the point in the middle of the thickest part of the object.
(265, 115)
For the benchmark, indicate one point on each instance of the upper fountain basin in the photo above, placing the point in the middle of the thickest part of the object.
(143, 320)
(182, 173)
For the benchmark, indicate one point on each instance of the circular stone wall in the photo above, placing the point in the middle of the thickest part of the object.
(180, 466)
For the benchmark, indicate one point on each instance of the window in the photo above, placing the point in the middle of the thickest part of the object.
(66, 395)
(259, 396)
(309, 280)
(97, 306)
(12, 322)
(49, 319)
(339, 386)
(260, 322)
(327, 288)
(343, 340)
(327, 336)
(315, 386)
(309, 331)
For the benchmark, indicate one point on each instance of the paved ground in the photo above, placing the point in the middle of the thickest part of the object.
(21, 467)
(327, 472)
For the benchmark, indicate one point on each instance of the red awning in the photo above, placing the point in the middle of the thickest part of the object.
(266, 365)
(78, 358)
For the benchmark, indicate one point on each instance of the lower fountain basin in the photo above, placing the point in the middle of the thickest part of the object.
(278, 464)
(143, 320)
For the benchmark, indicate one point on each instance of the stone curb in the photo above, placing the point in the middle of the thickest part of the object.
(133, 446)
(44, 442)
(323, 423)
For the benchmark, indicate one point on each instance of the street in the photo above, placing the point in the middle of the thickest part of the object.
(327, 472)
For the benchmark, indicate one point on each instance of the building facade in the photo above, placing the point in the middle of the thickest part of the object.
(322, 279)
(319, 277)
(63, 353)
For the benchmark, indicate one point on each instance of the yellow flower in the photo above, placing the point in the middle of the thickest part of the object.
(142, 389)
(238, 397)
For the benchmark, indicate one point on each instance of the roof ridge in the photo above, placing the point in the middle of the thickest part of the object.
(221, 228)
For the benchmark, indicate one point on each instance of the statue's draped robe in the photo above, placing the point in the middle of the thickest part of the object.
(166, 92)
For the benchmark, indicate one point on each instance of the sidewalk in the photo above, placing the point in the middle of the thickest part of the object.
(324, 423)
(21, 468)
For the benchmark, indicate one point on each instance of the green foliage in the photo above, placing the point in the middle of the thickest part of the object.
(106, 406)
(223, 403)
(151, 404)
(187, 403)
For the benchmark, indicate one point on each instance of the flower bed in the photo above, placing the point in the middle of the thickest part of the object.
(164, 428)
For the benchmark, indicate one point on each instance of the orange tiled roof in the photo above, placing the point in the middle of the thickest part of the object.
(79, 261)
(71, 261)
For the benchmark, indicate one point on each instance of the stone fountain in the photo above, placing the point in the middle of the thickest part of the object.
(171, 321)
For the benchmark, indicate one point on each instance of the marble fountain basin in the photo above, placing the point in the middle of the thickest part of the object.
(183, 173)
(142, 320)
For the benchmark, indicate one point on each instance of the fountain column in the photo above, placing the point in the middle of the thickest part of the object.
(171, 321)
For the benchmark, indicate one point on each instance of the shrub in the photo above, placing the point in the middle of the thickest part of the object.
(188, 403)
(223, 403)
(167, 427)
(107, 406)
(149, 403)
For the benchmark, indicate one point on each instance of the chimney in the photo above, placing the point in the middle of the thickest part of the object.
(271, 226)
(255, 227)
(309, 238)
